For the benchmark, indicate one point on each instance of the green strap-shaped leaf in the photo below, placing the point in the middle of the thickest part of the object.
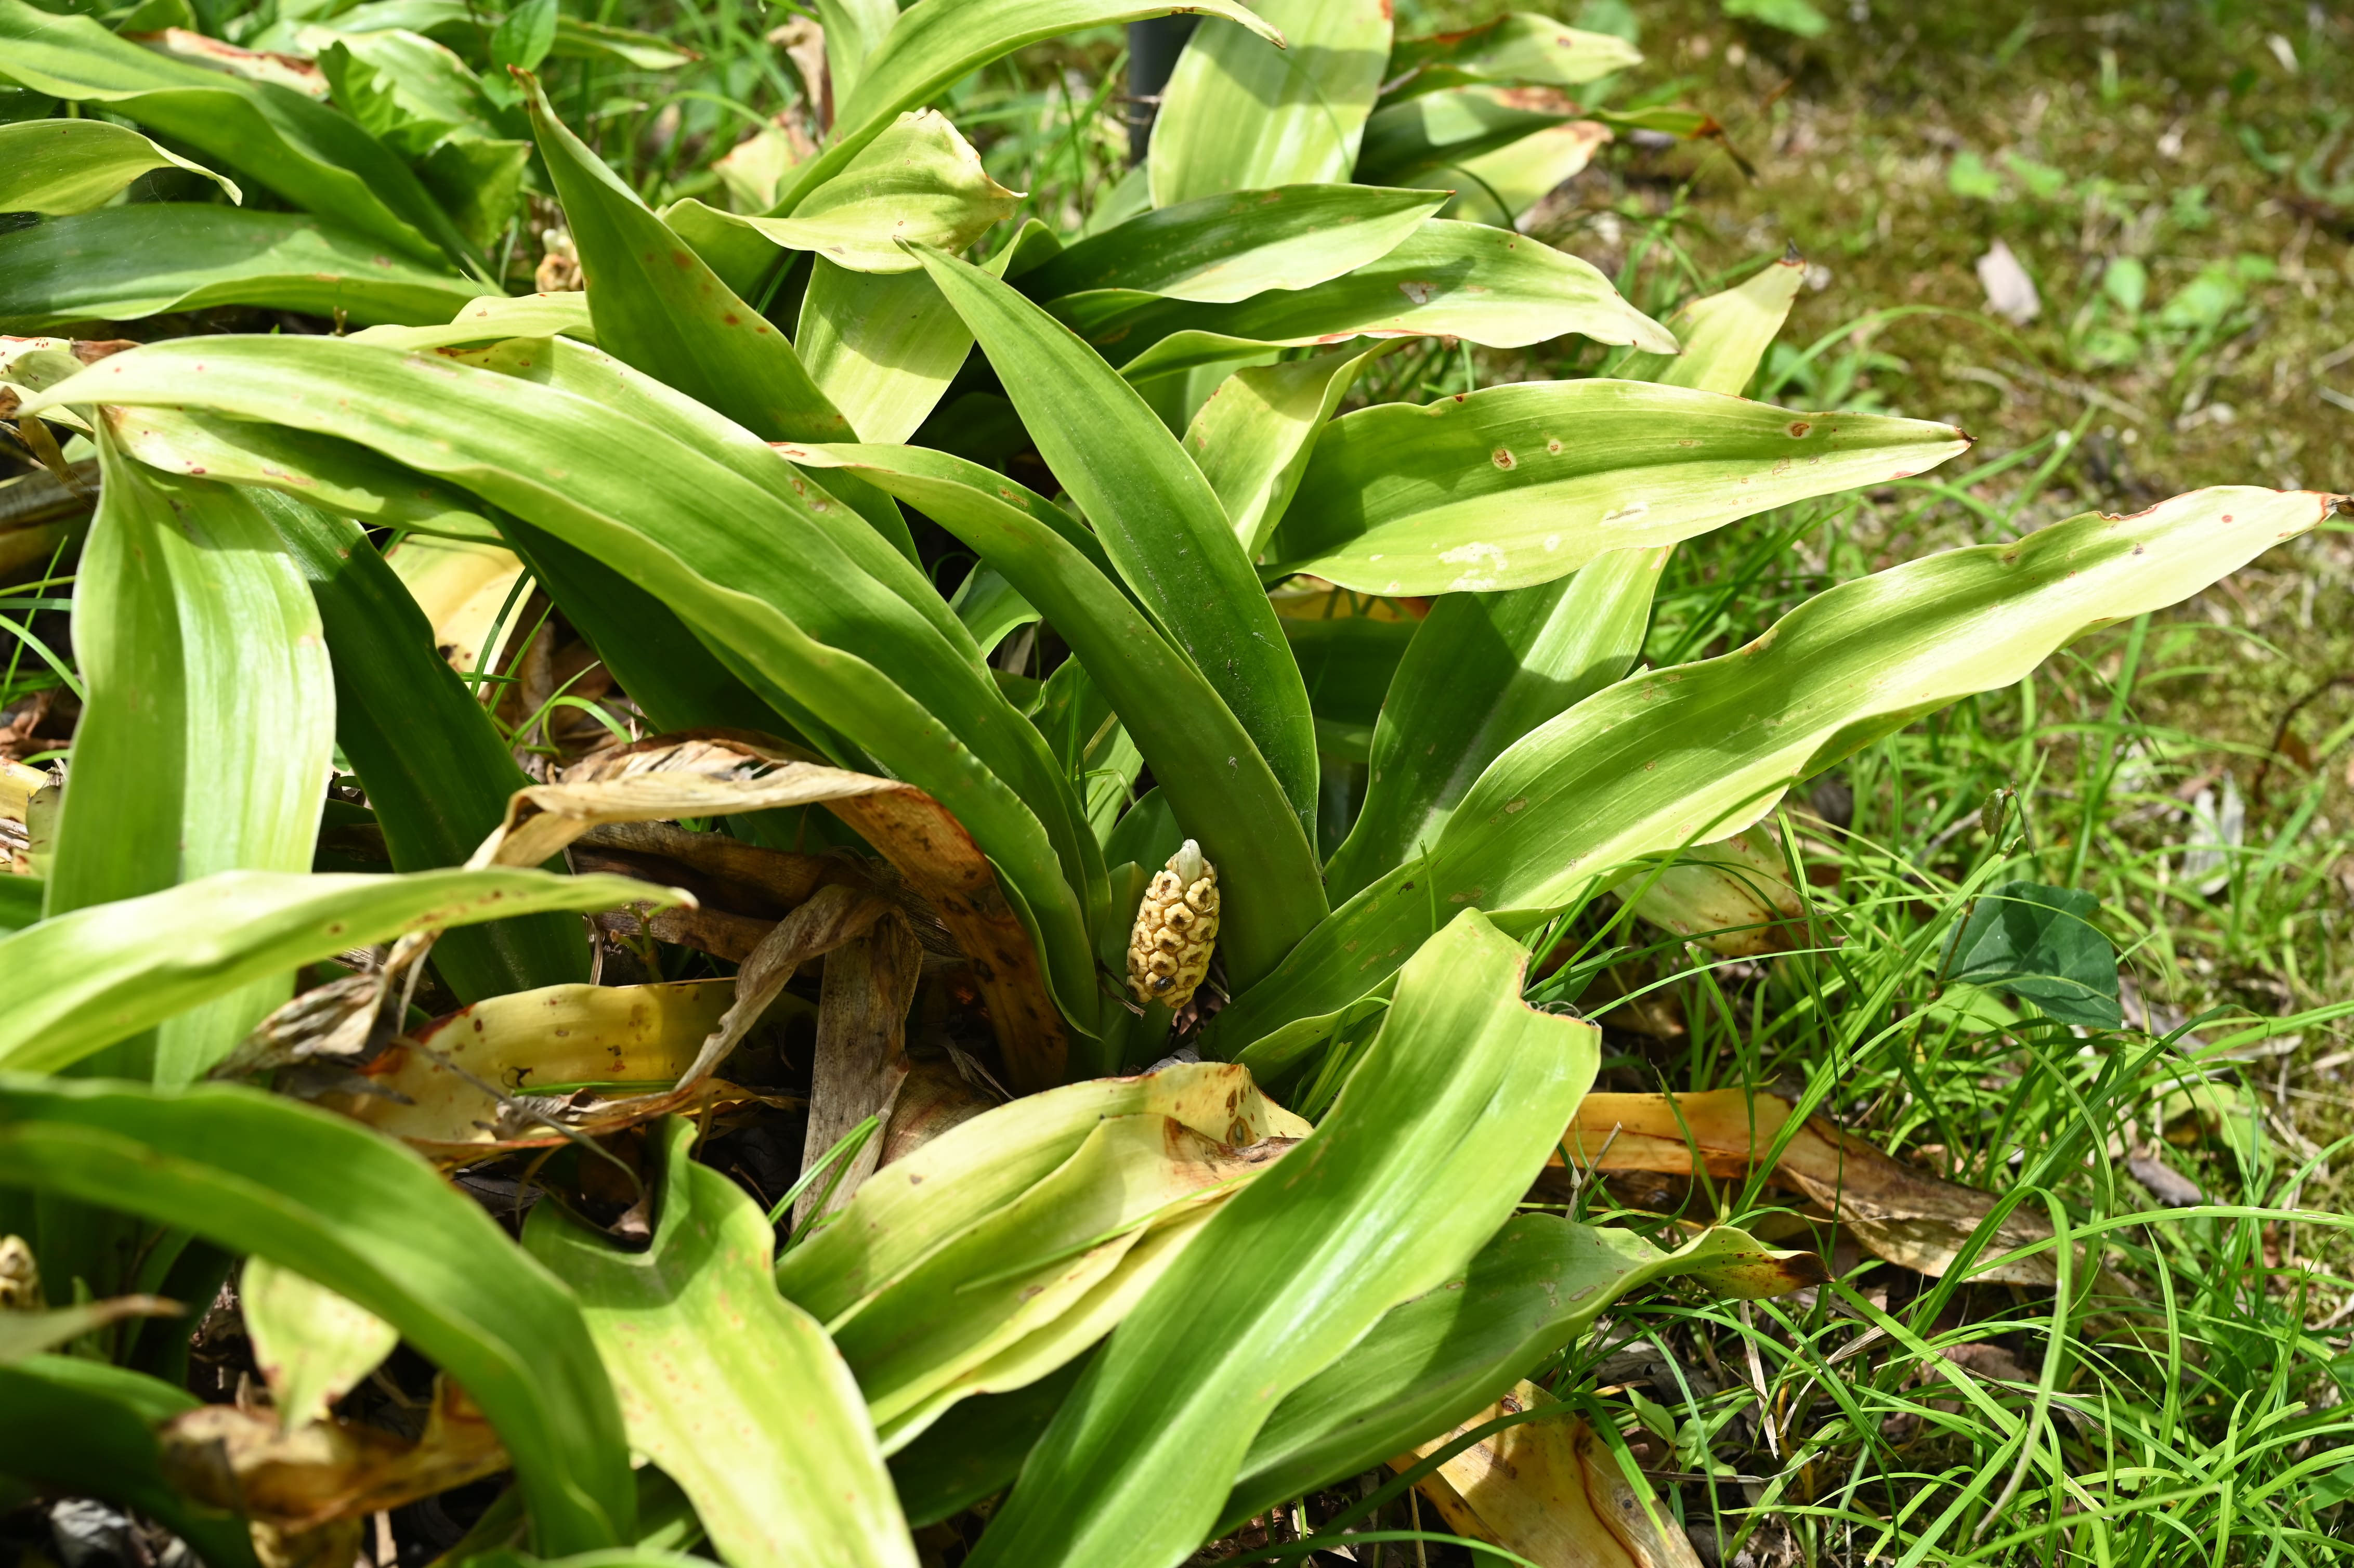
(455, 23)
(1493, 286)
(922, 1201)
(121, 264)
(1018, 1271)
(1520, 485)
(88, 1428)
(1500, 186)
(1226, 247)
(1239, 113)
(936, 43)
(1696, 752)
(881, 346)
(1349, 662)
(885, 347)
(972, 1451)
(58, 167)
(495, 317)
(676, 681)
(437, 773)
(734, 1391)
(261, 725)
(1518, 46)
(82, 981)
(1724, 336)
(918, 181)
(657, 307)
(1443, 1357)
(342, 479)
(209, 724)
(307, 153)
(1158, 518)
(1435, 1138)
(853, 28)
(243, 1168)
(778, 580)
(134, 743)
(311, 1344)
(411, 91)
(1254, 437)
(1486, 669)
(663, 310)
(1206, 763)
(1440, 132)
(20, 902)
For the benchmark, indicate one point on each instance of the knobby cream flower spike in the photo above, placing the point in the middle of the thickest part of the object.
(1176, 926)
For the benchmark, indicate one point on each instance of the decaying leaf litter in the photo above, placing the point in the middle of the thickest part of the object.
(855, 1124)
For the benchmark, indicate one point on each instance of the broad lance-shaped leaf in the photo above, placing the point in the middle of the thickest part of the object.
(918, 181)
(1494, 287)
(1253, 438)
(1724, 336)
(1488, 668)
(1501, 186)
(657, 307)
(209, 723)
(885, 347)
(471, 28)
(921, 1203)
(784, 583)
(241, 1167)
(58, 167)
(121, 264)
(660, 310)
(924, 1341)
(1518, 46)
(314, 157)
(1207, 765)
(436, 771)
(1240, 113)
(1520, 485)
(1158, 518)
(1223, 247)
(936, 43)
(312, 1346)
(495, 317)
(853, 28)
(87, 978)
(1435, 1136)
(411, 91)
(336, 477)
(676, 680)
(734, 1391)
(84, 1427)
(1349, 662)
(1446, 1354)
(1697, 752)
(1536, 1287)
(1736, 885)
(1484, 670)
(1430, 139)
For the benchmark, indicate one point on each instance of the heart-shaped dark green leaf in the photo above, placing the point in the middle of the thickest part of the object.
(2041, 944)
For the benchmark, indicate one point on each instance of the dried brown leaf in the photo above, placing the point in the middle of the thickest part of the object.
(1550, 1490)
